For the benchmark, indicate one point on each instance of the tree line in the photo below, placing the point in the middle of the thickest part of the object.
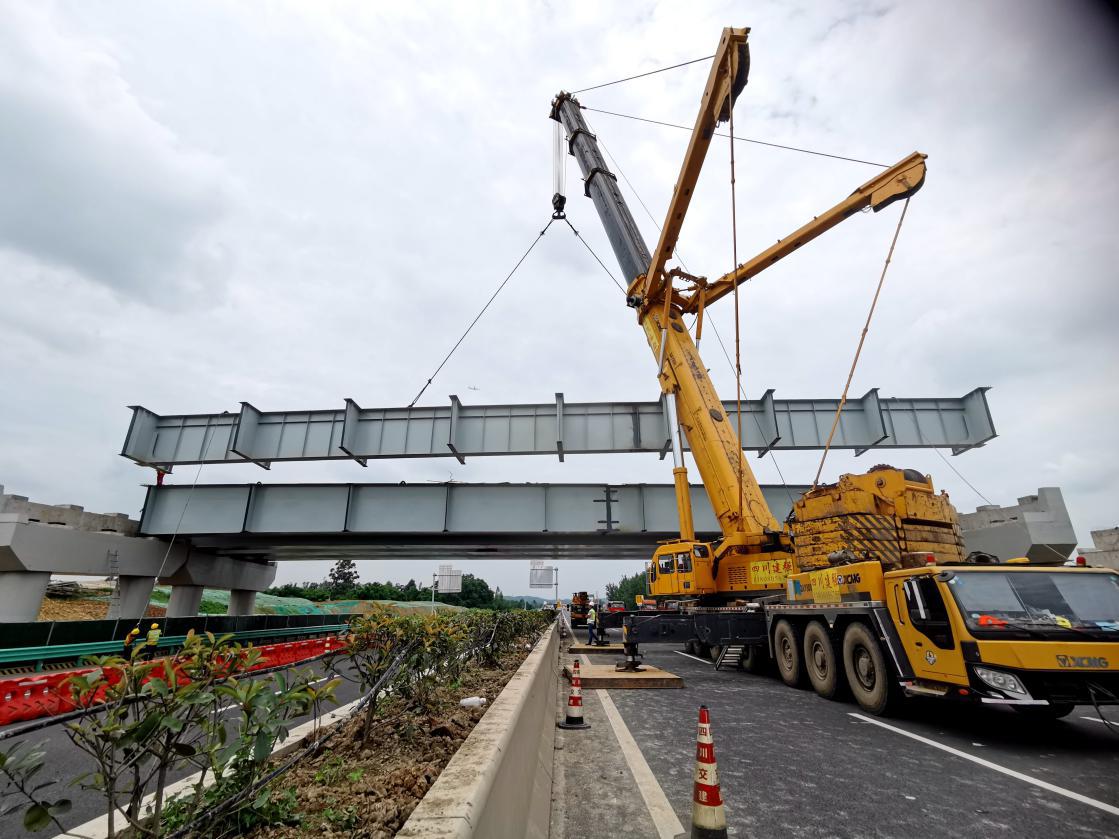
(343, 583)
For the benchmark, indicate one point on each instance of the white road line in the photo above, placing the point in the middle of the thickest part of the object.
(224, 708)
(1097, 719)
(697, 658)
(1075, 796)
(664, 817)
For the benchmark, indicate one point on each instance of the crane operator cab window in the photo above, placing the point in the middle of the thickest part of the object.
(927, 611)
(651, 570)
(684, 563)
(667, 564)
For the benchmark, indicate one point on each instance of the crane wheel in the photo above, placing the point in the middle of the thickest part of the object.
(868, 675)
(1045, 713)
(755, 659)
(786, 647)
(821, 663)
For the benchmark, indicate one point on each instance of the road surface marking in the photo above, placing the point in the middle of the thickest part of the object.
(664, 817)
(697, 658)
(1101, 721)
(233, 705)
(1075, 796)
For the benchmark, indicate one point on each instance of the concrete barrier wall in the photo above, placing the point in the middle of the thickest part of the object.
(499, 783)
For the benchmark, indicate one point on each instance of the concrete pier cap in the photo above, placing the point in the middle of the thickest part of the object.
(40, 540)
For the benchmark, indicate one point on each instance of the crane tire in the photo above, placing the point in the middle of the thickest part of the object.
(868, 674)
(786, 649)
(755, 659)
(821, 664)
(1045, 713)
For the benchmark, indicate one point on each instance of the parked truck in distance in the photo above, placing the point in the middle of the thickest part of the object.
(580, 604)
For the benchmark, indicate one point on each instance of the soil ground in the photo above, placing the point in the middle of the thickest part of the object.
(368, 792)
(83, 609)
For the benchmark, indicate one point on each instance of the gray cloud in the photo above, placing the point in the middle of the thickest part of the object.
(374, 171)
(91, 180)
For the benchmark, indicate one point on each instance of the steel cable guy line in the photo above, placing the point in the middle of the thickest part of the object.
(859, 348)
(478, 317)
(595, 255)
(643, 75)
(739, 138)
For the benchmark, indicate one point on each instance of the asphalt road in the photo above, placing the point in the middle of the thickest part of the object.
(65, 761)
(794, 765)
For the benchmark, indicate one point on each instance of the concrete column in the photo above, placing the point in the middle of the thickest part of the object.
(242, 601)
(135, 594)
(21, 595)
(185, 601)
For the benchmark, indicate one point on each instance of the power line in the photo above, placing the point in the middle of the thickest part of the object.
(643, 75)
(478, 317)
(740, 139)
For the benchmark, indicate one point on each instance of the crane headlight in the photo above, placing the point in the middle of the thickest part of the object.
(1002, 681)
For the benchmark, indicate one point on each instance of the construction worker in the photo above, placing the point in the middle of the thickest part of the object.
(130, 637)
(592, 618)
(152, 639)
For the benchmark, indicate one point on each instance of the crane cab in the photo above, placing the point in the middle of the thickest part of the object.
(681, 569)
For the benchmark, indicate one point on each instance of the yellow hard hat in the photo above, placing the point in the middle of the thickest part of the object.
(155, 626)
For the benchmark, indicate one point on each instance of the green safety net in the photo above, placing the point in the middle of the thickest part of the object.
(216, 602)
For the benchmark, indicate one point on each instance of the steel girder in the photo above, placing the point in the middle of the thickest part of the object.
(554, 428)
(448, 520)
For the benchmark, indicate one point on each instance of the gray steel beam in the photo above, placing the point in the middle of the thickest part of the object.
(329, 521)
(553, 428)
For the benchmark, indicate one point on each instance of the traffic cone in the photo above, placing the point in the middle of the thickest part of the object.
(709, 821)
(574, 719)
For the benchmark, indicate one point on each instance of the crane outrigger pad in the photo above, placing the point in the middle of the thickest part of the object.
(595, 649)
(606, 677)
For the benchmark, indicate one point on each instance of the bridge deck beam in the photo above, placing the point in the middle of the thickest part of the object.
(553, 428)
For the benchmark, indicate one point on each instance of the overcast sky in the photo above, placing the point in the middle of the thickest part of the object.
(294, 203)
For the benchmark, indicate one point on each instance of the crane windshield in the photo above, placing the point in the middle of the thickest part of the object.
(1037, 600)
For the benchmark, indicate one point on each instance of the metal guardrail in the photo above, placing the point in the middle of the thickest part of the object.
(26, 643)
(79, 651)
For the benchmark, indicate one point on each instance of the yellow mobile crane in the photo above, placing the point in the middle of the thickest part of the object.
(858, 583)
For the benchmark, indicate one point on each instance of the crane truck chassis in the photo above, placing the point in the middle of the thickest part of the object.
(1038, 639)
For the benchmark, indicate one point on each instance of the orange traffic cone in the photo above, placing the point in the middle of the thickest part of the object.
(709, 821)
(574, 719)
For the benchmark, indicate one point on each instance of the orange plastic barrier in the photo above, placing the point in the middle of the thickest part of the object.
(47, 694)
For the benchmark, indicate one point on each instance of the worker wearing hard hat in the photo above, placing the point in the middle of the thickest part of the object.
(152, 639)
(130, 637)
(592, 618)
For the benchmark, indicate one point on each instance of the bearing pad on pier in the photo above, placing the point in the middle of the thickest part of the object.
(604, 676)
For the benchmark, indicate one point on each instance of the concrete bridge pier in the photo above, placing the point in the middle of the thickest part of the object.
(185, 601)
(134, 593)
(242, 601)
(21, 594)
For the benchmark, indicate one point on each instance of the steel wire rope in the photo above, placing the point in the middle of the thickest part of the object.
(478, 317)
(643, 75)
(710, 319)
(859, 348)
(595, 255)
(971, 486)
(737, 320)
(739, 139)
